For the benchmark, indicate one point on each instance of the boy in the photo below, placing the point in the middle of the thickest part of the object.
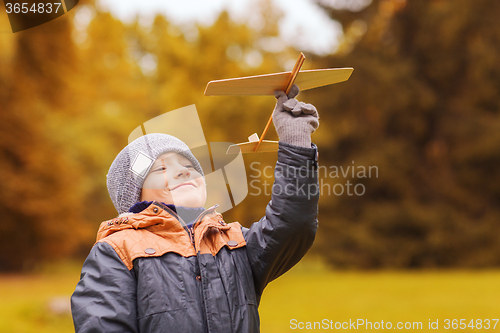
(168, 265)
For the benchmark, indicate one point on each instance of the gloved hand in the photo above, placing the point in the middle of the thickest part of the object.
(294, 121)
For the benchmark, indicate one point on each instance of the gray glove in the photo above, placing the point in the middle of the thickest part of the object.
(294, 121)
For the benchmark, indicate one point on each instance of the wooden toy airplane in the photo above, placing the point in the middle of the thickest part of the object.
(266, 85)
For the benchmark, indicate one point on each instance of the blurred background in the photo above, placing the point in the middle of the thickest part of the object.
(421, 242)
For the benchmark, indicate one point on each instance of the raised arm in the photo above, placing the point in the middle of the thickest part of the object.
(286, 232)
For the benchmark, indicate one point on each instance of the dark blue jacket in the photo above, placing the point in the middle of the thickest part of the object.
(148, 272)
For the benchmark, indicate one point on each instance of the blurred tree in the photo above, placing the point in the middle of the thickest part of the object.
(40, 184)
(71, 92)
(422, 105)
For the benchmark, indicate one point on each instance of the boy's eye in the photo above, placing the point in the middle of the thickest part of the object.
(161, 168)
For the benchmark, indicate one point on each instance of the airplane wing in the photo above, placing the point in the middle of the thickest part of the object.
(268, 83)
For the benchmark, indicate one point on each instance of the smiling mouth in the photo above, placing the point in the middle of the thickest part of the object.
(182, 185)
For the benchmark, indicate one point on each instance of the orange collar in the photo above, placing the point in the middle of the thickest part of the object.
(156, 218)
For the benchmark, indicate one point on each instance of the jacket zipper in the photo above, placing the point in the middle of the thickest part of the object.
(191, 234)
(189, 230)
(197, 220)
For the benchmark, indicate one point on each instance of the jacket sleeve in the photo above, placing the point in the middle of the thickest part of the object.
(105, 296)
(284, 235)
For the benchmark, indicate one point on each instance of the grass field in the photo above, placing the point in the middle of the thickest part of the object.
(308, 293)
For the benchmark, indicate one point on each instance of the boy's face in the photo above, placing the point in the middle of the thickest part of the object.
(173, 180)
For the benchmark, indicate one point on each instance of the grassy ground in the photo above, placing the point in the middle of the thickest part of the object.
(39, 302)
(308, 293)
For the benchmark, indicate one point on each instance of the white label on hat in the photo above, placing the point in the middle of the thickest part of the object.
(141, 165)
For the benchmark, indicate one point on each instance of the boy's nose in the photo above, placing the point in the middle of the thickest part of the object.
(183, 171)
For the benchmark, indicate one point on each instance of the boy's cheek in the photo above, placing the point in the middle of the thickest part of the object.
(157, 181)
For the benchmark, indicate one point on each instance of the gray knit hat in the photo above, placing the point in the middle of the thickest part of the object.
(129, 169)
